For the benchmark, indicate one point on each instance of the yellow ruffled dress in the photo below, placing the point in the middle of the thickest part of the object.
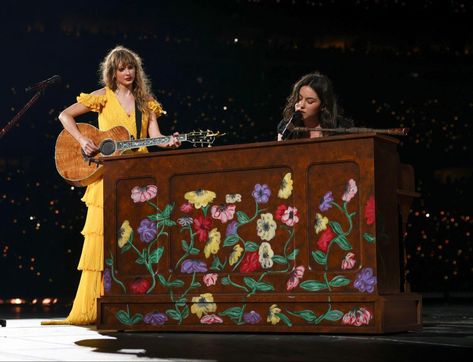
(110, 114)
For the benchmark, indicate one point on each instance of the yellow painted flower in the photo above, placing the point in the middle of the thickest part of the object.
(200, 198)
(320, 223)
(213, 244)
(125, 233)
(203, 305)
(265, 254)
(235, 255)
(285, 189)
(272, 315)
(266, 227)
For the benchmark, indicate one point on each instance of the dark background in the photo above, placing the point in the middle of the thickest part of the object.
(228, 66)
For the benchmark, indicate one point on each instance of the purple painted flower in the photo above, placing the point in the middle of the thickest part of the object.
(232, 228)
(107, 280)
(147, 230)
(325, 202)
(365, 280)
(191, 266)
(252, 317)
(155, 318)
(261, 193)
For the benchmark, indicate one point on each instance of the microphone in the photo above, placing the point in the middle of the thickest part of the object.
(45, 83)
(294, 121)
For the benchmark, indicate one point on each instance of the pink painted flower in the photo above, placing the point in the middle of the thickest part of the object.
(211, 319)
(186, 207)
(295, 277)
(142, 194)
(290, 216)
(223, 212)
(357, 317)
(210, 279)
(350, 190)
(349, 318)
(348, 261)
(364, 316)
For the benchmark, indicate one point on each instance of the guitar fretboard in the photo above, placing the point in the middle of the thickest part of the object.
(146, 142)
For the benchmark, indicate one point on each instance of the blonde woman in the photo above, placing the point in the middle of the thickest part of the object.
(126, 87)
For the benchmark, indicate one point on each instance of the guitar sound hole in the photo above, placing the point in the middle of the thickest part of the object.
(107, 147)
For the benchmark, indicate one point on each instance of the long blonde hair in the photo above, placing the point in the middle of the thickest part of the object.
(141, 87)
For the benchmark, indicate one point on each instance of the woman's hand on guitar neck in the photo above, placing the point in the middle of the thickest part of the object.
(174, 141)
(88, 146)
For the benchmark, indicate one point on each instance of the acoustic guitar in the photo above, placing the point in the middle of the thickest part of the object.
(78, 169)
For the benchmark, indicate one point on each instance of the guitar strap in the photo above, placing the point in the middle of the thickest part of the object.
(138, 121)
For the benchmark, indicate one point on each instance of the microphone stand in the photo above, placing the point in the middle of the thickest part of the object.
(22, 111)
(390, 131)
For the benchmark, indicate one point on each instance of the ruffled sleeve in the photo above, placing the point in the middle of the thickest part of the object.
(94, 102)
(156, 108)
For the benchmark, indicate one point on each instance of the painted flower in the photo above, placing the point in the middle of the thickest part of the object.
(202, 226)
(147, 230)
(211, 319)
(232, 198)
(285, 189)
(261, 193)
(290, 216)
(223, 212)
(203, 304)
(200, 198)
(190, 266)
(265, 254)
(107, 280)
(348, 261)
(213, 244)
(235, 255)
(139, 285)
(370, 214)
(280, 211)
(326, 201)
(357, 317)
(155, 318)
(250, 262)
(142, 194)
(124, 234)
(231, 228)
(251, 317)
(186, 207)
(325, 239)
(295, 277)
(320, 223)
(273, 314)
(365, 280)
(185, 221)
(266, 227)
(210, 279)
(350, 190)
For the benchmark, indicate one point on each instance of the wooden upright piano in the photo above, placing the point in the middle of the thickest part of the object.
(294, 236)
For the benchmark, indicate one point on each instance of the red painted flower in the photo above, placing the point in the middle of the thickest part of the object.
(280, 211)
(250, 262)
(370, 214)
(325, 239)
(139, 285)
(202, 226)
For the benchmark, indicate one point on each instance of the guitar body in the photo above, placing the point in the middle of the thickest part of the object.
(70, 161)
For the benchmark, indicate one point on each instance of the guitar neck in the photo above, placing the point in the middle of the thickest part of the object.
(147, 142)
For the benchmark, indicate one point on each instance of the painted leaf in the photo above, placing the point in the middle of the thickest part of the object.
(194, 251)
(156, 255)
(140, 260)
(284, 318)
(264, 287)
(336, 227)
(369, 238)
(225, 281)
(307, 315)
(123, 317)
(176, 283)
(279, 259)
(342, 242)
(169, 222)
(162, 280)
(231, 240)
(251, 246)
(339, 281)
(242, 217)
(234, 312)
(185, 312)
(109, 261)
(127, 246)
(136, 318)
(333, 315)
(320, 257)
(173, 314)
(293, 255)
(313, 285)
(250, 282)
(184, 245)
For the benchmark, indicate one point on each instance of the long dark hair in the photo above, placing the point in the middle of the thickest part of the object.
(321, 84)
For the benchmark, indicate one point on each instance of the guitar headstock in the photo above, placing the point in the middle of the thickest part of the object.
(202, 138)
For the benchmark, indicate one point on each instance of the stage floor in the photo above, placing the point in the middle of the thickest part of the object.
(447, 334)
